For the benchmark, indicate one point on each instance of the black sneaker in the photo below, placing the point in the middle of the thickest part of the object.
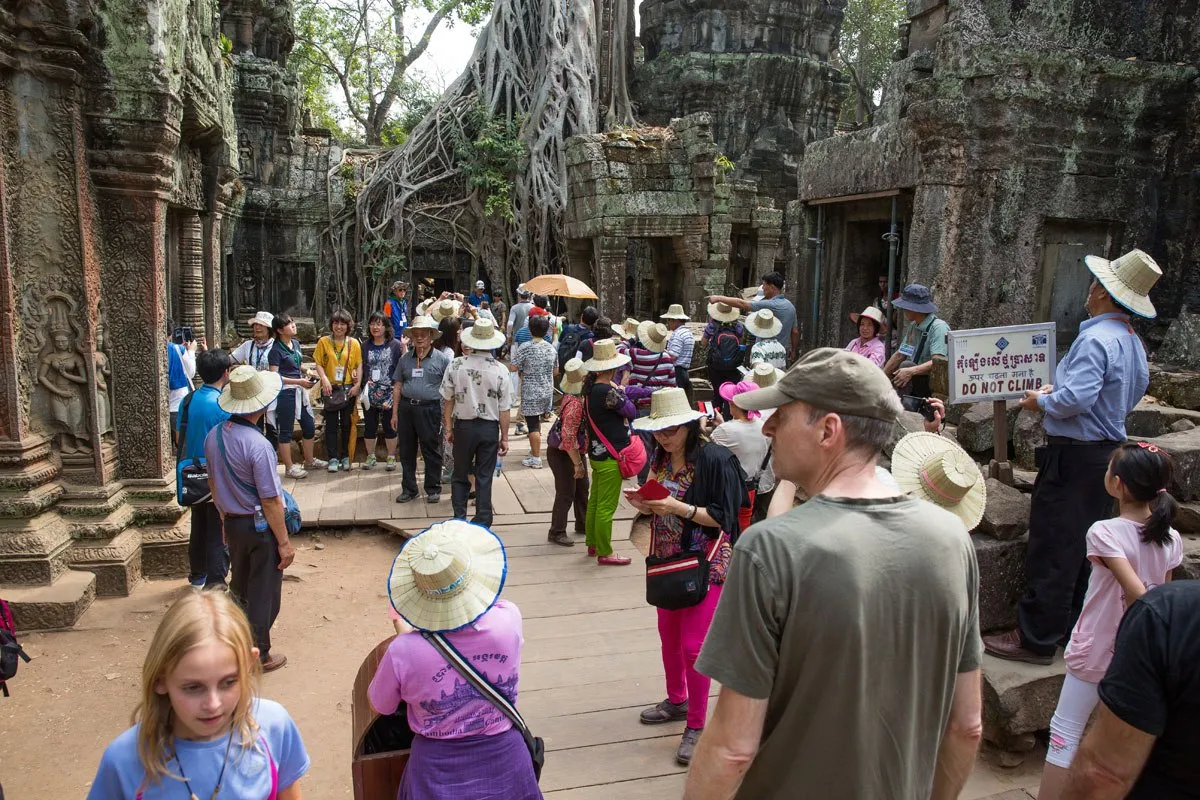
(406, 497)
(433, 498)
(687, 745)
(666, 711)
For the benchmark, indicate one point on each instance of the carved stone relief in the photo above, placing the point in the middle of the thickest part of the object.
(62, 375)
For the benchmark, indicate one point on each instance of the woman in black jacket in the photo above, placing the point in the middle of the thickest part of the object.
(707, 488)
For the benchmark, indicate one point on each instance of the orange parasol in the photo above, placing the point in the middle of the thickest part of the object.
(560, 286)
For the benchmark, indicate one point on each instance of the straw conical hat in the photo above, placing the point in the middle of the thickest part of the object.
(423, 323)
(443, 309)
(871, 312)
(249, 390)
(675, 312)
(653, 335)
(483, 336)
(605, 357)
(1128, 280)
(723, 312)
(764, 324)
(936, 469)
(668, 407)
(765, 374)
(627, 329)
(573, 375)
(447, 576)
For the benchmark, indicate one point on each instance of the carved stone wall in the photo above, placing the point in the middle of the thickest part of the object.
(1022, 135)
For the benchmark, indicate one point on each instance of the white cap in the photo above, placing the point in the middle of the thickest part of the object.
(479, 284)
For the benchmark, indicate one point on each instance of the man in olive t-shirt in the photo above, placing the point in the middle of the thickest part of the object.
(846, 640)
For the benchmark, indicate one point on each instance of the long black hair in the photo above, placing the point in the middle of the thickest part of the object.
(449, 329)
(1146, 471)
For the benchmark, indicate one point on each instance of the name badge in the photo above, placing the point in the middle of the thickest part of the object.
(339, 374)
(418, 372)
(376, 375)
(907, 351)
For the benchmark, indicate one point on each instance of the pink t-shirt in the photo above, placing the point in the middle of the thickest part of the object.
(441, 704)
(873, 349)
(1095, 634)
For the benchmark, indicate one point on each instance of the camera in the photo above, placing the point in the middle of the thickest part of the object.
(918, 404)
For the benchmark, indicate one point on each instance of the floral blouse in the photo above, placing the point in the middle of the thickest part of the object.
(570, 415)
(666, 532)
(536, 362)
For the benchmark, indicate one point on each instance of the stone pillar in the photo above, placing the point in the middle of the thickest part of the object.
(610, 274)
(213, 274)
(192, 268)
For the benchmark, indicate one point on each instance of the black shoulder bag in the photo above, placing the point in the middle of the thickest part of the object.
(192, 481)
(537, 747)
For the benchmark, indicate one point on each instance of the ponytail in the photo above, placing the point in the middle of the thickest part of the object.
(1146, 470)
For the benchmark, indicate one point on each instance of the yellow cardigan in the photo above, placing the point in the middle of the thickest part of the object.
(326, 356)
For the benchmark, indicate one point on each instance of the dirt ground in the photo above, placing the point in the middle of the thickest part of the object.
(81, 687)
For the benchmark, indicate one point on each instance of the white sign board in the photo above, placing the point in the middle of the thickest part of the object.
(1000, 363)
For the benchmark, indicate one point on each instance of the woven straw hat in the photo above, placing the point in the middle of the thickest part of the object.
(447, 576)
(765, 374)
(443, 309)
(605, 357)
(483, 336)
(1128, 280)
(627, 329)
(249, 390)
(722, 312)
(264, 318)
(871, 312)
(936, 469)
(653, 335)
(764, 324)
(573, 375)
(675, 312)
(423, 323)
(668, 407)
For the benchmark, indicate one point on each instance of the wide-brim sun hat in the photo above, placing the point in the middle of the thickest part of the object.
(264, 318)
(936, 469)
(447, 576)
(249, 391)
(483, 336)
(653, 335)
(917, 299)
(668, 408)
(722, 312)
(871, 312)
(423, 323)
(573, 375)
(605, 357)
(627, 329)
(1128, 280)
(764, 324)
(763, 374)
(676, 312)
(443, 309)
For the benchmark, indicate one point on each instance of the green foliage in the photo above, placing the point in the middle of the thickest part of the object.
(491, 155)
(724, 165)
(383, 261)
(869, 38)
(360, 51)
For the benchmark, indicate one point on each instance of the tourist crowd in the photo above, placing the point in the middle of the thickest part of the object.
(844, 632)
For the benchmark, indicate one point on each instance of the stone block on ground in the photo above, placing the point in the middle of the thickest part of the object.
(976, 428)
(1185, 450)
(1028, 435)
(1018, 699)
(1189, 570)
(116, 562)
(1181, 345)
(1006, 515)
(1175, 388)
(1001, 580)
(165, 549)
(1154, 419)
(59, 605)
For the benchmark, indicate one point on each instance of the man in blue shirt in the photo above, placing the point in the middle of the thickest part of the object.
(396, 308)
(208, 563)
(479, 295)
(927, 338)
(1102, 378)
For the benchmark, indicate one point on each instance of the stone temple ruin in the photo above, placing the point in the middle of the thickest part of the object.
(155, 171)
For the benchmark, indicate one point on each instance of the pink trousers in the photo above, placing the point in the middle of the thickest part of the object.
(682, 633)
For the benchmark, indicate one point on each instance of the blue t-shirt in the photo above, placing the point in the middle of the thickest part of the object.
(286, 358)
(247, 776)
(203, 415)
(476, 299)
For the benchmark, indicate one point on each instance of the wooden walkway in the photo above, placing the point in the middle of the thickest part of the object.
(591, 660)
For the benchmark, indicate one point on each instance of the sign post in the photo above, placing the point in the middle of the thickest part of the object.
(1000, 364)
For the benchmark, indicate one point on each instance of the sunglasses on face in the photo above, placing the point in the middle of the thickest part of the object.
(671, 431)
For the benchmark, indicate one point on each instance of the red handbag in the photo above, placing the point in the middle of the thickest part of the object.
(631, 459)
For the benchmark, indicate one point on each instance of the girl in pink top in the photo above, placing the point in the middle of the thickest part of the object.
(1129, 554)
(869, 343)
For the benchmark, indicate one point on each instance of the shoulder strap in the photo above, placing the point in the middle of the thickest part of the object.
(183, 423)
(228, 466)
(763, 466)
(473, 676)
(612, 451)
(924, 338)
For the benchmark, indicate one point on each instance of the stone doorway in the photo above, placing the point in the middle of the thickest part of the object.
(1064, 275)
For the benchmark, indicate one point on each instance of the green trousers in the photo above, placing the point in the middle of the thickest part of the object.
(602, 504)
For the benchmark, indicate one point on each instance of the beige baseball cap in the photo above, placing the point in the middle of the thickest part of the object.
(831, 380)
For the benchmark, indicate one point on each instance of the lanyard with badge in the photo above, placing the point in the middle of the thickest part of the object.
(339, 372)
(258, 356)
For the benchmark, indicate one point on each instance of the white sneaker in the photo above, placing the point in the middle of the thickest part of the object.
(296, 471)
(534, 463)
(333, 466)
(316, 463)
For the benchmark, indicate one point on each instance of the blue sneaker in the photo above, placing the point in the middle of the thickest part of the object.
(197, 584)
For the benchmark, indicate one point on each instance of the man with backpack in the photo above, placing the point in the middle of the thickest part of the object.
(208, 561)
(681, 345)
(724, 333)
(577, 338)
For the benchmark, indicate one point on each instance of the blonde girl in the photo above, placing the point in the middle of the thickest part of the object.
(200, 730)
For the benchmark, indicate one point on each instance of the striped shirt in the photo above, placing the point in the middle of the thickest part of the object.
(681, 344)
(650, 370)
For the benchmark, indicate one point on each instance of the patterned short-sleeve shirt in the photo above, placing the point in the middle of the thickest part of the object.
(479, 386)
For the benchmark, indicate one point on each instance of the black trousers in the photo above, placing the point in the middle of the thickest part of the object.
(568, 491)
(683, 381)
(420, 425)
(337, 433)
(269, 431)
(476, 448)
(718, 376)
(207, 556)
(1068, 497)
(257, 581)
